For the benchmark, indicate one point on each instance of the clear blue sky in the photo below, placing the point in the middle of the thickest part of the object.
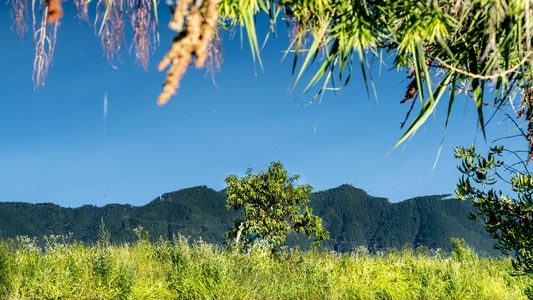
(56, 145)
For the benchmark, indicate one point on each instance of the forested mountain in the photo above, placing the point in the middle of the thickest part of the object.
(353, 218)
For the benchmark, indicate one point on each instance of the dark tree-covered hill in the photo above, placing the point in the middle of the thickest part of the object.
(353, 218)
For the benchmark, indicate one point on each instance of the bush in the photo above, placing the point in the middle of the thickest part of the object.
(461, 251)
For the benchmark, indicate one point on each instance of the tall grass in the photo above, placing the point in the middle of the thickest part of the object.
(184, 270)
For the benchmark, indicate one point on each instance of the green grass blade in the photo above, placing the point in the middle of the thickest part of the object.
(156, 19)
(427, 109)
(104, 18)
(249, 24)
(450, 102)
(325, 65)
(478, 99)
(314, 48)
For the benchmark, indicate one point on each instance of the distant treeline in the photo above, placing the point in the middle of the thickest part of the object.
(353, 218)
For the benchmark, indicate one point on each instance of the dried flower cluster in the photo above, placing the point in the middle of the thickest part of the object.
(44, 38)
(111, 27)
(195, 24)
(109, 23)
(144, 30)
(82, 9)
(214, 56)
(19, 12)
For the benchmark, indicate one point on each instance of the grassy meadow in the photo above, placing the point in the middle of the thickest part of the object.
(185, 270)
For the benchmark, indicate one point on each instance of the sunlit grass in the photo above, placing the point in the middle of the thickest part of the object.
(185, 270)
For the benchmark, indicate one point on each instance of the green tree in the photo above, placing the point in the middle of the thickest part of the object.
(507, 219)
(273, 205)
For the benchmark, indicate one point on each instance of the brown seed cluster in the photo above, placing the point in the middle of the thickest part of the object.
(208, 31)
(180, 13)
(195, 24)
(54, 10)
(411, 91)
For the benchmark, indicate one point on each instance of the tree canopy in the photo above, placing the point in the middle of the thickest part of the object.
(479, 47)
(509, 219)
(273, 205)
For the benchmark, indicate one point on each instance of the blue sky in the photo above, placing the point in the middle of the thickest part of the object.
(58, 147)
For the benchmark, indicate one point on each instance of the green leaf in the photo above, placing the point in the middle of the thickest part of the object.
(312, 51)
(427, 109)
(450, 102)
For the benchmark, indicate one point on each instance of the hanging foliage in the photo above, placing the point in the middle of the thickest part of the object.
(478, 47)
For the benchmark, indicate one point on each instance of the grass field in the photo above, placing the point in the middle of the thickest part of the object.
(184, 270)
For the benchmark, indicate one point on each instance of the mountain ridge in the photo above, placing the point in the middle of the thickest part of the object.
(353, 217)
(346, 185)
